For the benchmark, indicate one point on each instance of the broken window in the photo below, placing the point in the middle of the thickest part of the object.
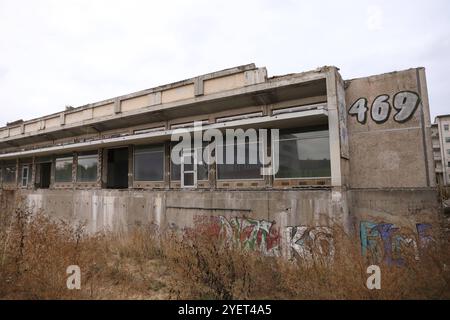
(87, 167)
(241, 166)
(304, 154)
(149, 163)
(63, 169)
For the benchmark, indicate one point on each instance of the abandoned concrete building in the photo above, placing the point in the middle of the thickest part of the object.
(351, 152)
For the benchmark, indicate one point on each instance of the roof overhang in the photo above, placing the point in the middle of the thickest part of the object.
(307, 117)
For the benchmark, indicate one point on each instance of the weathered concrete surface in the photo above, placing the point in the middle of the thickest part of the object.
(390, 154)
(120, 210)
(404, 208)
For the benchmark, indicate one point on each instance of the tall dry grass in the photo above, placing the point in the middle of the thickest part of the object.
(142, 264)
(208, 270)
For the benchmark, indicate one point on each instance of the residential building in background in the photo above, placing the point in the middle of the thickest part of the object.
(441, 148)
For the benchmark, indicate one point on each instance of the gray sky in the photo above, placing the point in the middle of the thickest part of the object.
(57, 53)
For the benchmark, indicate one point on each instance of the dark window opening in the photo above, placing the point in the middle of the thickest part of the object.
(117, 169)
(43, 175)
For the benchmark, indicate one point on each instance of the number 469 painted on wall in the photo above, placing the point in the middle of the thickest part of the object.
(404, 102)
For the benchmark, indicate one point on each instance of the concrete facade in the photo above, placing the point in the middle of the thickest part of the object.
(379, 140)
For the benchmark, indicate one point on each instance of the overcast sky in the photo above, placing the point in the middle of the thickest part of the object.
(58, 53)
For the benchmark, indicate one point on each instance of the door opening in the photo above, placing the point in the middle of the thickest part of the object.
(189, 169)
(44, 175)
(117, 168)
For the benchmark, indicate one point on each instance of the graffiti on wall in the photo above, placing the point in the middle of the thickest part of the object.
(404, 105)
(379, 241)
(295, 242)
(385, 242)
(308, 243)
(244, 233)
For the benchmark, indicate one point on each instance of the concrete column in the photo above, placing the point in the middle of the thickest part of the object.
(74, 168)
(17, 173)
(167, 165)
(33, 173)
(52, 175)
(333, 126)
(338, 144)
(99, 181)
(130, 167)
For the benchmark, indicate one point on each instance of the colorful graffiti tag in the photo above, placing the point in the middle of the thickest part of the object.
(297, 242)
(379, 241)
(308, 242)
(384, 241)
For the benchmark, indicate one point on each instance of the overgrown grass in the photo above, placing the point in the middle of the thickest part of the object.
(36, 250)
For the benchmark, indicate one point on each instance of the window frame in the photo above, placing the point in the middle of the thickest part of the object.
(304, 130)
(164, 162)
(23, 167)
(60, 159)
(262, 178)
(87, 155)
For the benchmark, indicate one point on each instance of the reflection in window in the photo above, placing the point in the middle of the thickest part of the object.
(304, 155)
(63, 169)
(9, 174)
(235, 171)
(202, 169)
(87, 167)
(149, 163)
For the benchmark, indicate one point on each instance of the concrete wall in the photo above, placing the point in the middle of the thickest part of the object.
(390, 153)
(115, 210)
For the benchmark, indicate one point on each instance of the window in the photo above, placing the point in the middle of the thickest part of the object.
(448, 164)
(235, 170)
(446, 127)
(202, 170)
(304, 154)
(448, 151)
(447, 139)
(87, 167)
(26, 175)
(63, 169)
(149, 163)
(9, 174)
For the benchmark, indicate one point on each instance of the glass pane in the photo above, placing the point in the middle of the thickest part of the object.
(202, 170)
(149, 163)
(9, 174)
(188, 162)
(239, 171)
(189, 179)
(87, 168)
(25, 174)
(63, 169)
(304, 155)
